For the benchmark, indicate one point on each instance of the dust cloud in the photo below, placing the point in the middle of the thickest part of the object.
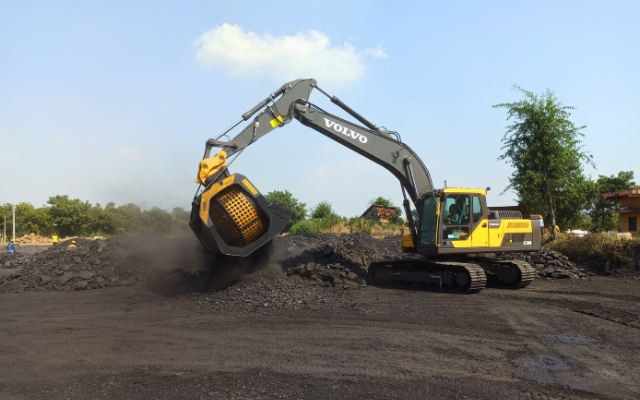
(180, 264)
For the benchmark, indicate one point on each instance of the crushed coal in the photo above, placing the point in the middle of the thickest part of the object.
(268, 294)
(549, 264)
(179, 265)
(334, 260)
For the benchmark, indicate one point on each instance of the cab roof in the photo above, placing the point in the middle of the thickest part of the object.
(465, 190)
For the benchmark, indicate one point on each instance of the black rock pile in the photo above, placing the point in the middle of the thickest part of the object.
(332, 260)
(549, 264)
(93, 264)
(307, 260)
(261, 293)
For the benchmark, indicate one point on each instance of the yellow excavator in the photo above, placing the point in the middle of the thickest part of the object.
(455, 231)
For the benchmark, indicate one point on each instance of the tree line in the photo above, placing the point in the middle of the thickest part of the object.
(73, 217)
(322, 217)
(544, 147)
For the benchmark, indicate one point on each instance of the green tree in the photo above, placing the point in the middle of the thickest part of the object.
(131, 216)
(572, 203)
(28, 219)
(107, 221)
(181, 215)
(543, 146)
(600, 206)
(381, 201)
(323, 210)
(71, 217)
(158, 220)
(286, 199)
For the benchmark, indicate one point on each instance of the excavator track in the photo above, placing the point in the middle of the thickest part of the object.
(464, 277)
(511, 274)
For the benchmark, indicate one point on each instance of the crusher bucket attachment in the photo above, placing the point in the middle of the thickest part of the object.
(231, 217)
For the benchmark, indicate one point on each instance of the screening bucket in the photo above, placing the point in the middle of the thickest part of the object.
(231, 217)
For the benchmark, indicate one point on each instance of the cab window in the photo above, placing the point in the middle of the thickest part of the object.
(477, 209)
(429, 221)
(456, 209)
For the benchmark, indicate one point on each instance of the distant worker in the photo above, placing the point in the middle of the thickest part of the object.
(11, 246)
(72, 245)
(54, 238)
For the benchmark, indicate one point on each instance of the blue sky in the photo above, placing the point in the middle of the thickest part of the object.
(109, 101)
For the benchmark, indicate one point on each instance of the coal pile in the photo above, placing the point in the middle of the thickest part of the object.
(549, 264)
(179, 265)
(337, 261)
(93, 264)
(269, 294)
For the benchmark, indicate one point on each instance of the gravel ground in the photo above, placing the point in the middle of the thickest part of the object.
(162, 327)
(562, 339)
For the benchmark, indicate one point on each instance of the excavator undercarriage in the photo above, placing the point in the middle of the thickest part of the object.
(468, 276)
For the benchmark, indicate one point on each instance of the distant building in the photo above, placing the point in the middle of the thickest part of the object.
(628, 208)
(378, 213)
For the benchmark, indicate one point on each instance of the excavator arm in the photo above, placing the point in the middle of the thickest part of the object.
(232, 217)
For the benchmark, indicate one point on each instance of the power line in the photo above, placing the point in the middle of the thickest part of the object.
(354, 195)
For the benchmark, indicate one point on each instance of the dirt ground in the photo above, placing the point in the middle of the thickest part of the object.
(568, 339)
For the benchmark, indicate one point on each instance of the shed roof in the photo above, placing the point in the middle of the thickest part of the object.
(624, 193)
(383, 211)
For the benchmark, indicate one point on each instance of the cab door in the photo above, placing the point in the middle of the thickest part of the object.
(479, 221)
(456, 229)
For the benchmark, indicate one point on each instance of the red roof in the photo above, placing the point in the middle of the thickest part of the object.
(624, 193)
(382, 211)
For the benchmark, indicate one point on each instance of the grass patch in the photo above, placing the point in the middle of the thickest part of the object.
(338, 225)
(606, 252)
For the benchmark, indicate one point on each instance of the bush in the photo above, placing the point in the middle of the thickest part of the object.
(607, 252)
(302, 227)
(393, 227)
(357, 224)
(325, 224)
(286, 199)
(323, 210)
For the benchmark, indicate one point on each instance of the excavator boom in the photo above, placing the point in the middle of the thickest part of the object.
(221, 221)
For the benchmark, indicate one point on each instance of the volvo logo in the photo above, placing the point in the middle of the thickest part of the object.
(345, 131)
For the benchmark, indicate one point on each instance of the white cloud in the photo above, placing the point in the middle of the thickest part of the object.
(321, 172)
(304, 55)
(6, 155)
(58, 139)
(131, 154)
(376, 52)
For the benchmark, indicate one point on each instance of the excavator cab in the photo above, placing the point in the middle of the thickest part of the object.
(231, 217)
(458, 221)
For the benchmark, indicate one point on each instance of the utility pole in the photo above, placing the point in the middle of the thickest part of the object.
(4, 237)
(13, 207)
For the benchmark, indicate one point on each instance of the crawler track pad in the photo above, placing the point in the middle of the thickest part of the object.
(465, 277)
